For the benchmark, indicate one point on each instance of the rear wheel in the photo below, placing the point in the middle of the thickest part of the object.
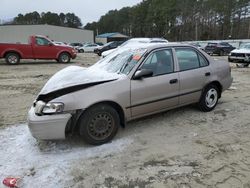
(12, 59)
(64, 58)
(99, 124)
(209, 98)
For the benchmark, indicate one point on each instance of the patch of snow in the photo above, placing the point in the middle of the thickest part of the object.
(46, 164)
(232, 88)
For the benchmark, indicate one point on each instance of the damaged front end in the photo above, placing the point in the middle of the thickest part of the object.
(43, 106)
(49, 118)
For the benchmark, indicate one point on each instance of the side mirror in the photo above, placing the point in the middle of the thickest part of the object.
(50, 44)
(143, 73)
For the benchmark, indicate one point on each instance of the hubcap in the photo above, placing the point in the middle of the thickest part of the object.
(101, 126)
(211, 98)
(65, 58)
(12, 59)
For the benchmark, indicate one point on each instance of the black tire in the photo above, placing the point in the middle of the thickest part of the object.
(230, 60)
(246, 64)
(12, 58)
(99, 124)
(209, 98)
(81, 51)
(64, 58)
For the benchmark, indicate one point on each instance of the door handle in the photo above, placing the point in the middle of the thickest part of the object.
(174, 81)
(207, 74)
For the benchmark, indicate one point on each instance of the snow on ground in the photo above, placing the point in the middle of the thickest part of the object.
(45, 164)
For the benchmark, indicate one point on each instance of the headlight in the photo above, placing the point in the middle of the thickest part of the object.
(53, 107)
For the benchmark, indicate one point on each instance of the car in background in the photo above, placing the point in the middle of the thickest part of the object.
(197, 45)
(38, 47)
(219, 48)
(145, 79)
(135, 41)
(241, 55)
(108, 46)
(76, 45)
(99, 43)
(88, 48)
(60, 43)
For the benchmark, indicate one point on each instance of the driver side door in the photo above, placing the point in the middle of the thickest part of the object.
(44, 49)
(159, 91)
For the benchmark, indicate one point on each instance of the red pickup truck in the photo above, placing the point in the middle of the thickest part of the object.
(38, 47)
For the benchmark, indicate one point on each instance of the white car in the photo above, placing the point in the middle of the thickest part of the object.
(133, 41)
(60, 43)
(241, 55)
(88, 48)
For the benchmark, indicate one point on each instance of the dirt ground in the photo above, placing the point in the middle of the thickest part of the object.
(178, 148)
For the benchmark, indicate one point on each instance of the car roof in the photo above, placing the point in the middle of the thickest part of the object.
(148, 40)
(152, 46)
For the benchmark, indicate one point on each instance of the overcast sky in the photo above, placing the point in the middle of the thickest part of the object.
(87, 10)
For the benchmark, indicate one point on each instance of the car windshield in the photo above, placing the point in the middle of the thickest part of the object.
(212, 44)
(121, 63)
(107, 44)
(245, 46)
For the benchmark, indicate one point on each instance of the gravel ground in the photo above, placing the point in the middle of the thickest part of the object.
(178, 148)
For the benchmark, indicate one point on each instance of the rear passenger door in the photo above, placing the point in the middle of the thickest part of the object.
(194, 74)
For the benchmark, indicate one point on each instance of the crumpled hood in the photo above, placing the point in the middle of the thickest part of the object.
(75, 75)
(242, 51)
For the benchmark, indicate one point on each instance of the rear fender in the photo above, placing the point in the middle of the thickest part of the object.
(10, 50)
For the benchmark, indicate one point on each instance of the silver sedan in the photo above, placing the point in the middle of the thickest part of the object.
(128, 84)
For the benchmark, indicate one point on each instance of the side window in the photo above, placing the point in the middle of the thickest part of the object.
(151, 60)
(41, 41)
(203, 61)
(187, 59)
(160, 62)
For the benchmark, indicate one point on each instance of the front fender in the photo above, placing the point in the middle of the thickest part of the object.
(64, 51)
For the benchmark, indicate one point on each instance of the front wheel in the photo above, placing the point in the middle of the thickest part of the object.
(99, 124)
(12, 58)
(64, 58)
(246, 64)
(209, 98)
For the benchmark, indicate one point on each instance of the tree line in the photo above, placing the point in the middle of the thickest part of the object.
(179, 20)
(67, 20)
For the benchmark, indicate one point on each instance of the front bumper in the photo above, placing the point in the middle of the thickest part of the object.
(47, 127)
(238, 59)
(74, 56)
